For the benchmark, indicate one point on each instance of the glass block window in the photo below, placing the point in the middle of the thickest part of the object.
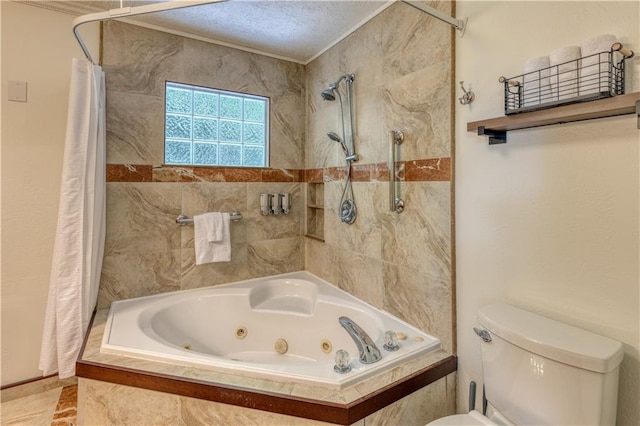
(209, 127)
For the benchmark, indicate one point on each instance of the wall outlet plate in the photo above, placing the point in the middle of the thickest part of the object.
(17, 91)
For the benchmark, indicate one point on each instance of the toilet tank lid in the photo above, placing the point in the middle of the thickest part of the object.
(551, 339)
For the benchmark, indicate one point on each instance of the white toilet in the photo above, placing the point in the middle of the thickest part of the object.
(538, 371)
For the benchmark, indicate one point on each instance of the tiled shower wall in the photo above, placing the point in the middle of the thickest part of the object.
(399, 262)
(146, 252)
(402, 61)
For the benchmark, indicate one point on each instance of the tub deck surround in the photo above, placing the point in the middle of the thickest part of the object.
(311, 401)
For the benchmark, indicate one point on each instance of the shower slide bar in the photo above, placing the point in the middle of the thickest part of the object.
(396, 204)
(183, 220)
(458, 24)
(125, 12)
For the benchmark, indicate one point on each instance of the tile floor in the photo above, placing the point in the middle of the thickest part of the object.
(55, 407)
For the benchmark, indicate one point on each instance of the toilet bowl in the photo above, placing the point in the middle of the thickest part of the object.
(472, 418)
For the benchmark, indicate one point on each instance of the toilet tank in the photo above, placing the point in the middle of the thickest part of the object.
(544, 372)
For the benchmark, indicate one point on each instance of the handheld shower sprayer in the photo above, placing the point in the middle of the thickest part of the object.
(334, 137)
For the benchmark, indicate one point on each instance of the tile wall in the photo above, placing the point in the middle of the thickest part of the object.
(399, 262)
(402, 61)
(146, 252)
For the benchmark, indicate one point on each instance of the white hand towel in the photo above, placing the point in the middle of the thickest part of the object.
(213, 225)
(205, 226)
(594, 71)
(536, 81)
(564, 75)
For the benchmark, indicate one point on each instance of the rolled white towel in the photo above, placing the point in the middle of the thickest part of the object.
(564, 74)
(594, 69)
(536, 86)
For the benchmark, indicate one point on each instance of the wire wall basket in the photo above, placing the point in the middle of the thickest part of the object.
(597, 76)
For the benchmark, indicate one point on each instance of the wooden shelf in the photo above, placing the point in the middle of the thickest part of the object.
(497, 127)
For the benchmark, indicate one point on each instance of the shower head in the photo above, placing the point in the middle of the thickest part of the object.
(329, 94)
(334, 137)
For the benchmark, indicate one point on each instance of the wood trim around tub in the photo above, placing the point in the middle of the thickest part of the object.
(344, 414)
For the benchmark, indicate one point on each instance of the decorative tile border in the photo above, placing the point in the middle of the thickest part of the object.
(431, 169)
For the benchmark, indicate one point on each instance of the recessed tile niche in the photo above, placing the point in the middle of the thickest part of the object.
(315, 211)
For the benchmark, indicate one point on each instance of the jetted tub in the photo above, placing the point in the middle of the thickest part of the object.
(283, 327)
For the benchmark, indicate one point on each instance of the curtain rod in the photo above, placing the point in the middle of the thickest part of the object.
(130, 11)
(459, 24)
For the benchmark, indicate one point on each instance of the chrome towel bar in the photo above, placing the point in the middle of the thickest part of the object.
(183, 220)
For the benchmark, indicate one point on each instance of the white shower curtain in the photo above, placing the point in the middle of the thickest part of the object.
(79, 243)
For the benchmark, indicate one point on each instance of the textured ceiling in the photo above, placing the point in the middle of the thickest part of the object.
(290, 29)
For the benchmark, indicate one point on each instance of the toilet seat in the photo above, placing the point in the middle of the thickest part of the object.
(472, 418)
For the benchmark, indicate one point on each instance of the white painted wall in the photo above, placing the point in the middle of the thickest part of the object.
(37, 47)
(550, 221)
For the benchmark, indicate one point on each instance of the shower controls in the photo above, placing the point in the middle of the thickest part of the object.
(342, 360)
(391, 341)
(275, 204)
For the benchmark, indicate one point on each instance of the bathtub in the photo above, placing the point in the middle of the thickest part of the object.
(283, 327)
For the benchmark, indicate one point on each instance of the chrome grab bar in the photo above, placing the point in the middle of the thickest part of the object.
(396, 204)
(183, 220)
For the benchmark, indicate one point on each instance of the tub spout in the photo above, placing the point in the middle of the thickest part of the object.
(369, 352)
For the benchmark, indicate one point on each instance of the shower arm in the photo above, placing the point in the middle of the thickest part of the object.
(125, 12)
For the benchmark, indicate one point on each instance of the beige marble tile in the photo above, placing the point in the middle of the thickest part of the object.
(364, 235)
(360, 276)
(283, 82)
(102, 403)
(208, 274)
(412, 40)
(34, 410)
(320, 260)
(142, 245)
(417, 409)
(142, 217)
(451, 394)
(135, 128)
(135, 274)
(420, 237)
(33, 388)
(422, 300)
(140, 60)
(423, 115)
(271, 257)
(198, 412)
(287, 132)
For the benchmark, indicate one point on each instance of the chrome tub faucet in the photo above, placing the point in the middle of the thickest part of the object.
(369, 352)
